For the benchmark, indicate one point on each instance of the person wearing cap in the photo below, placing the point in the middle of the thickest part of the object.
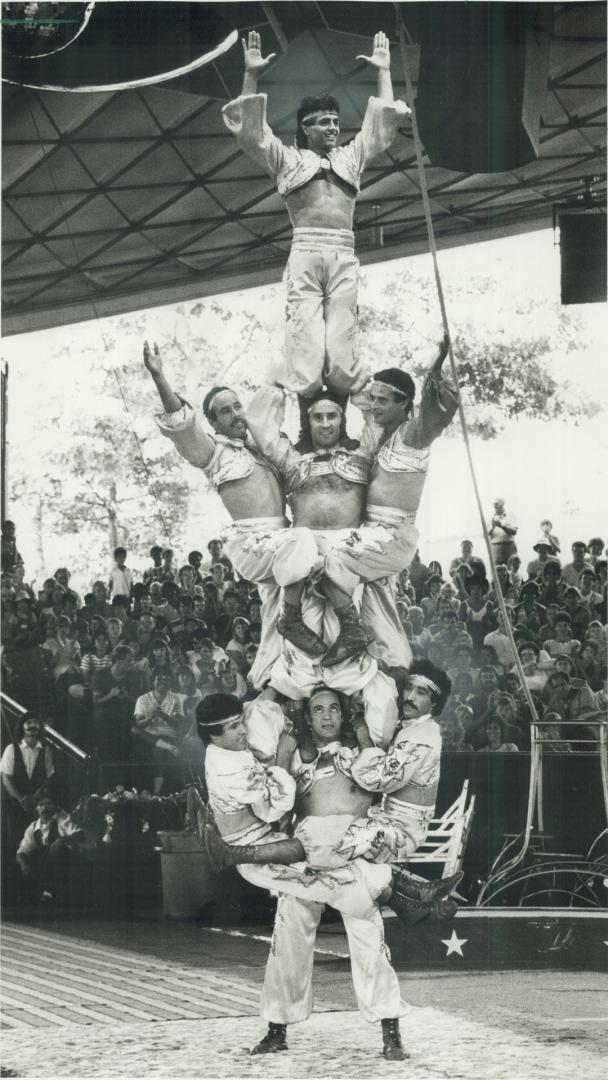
(245, 797)
(502, 532)
(572, 571)
(263, 548)
(320, 182)
(543, 549)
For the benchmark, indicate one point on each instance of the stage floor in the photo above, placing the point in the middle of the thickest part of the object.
(158, 998)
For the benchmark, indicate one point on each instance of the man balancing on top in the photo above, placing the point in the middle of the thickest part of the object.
(319, 181)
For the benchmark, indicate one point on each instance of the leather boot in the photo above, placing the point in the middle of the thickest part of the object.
(351, 640)
(392, 1048)
(412, 904)
(274, 1040)
(427, 892)
(222, 855)
(292, 627)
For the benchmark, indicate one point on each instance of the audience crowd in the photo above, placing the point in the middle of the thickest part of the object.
(120, 670)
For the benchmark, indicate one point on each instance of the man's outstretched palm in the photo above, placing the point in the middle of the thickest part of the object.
(255, 63)
(381, 55)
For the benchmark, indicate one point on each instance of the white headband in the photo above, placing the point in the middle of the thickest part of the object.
(378, 382)
(319, 113)
(424, 683)
(226, 720)
(321, 401)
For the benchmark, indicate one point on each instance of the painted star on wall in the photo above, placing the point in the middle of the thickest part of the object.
(454, 944)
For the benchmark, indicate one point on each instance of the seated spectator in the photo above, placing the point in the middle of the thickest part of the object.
(591, 666)
(495, 742)
(99, 657)
(102, 607)
(121, 578)
(405, 589)
(551, 584)
(579, 614)
(546, 528)
(45, 594)
(160, 726)
(231, 682)
(487, 683)
(23, 591)
(563, 642)
(195, 560)
(189, 695)
(204, 648)
(418, 576)
(26, 766)
(500, 642)
(462, 661)
(595, 548)
(529, 613)
(451, 635)
(598, 634)
(488, 658)
(551, 734)
(453, 734)
(168, 608)
(44, 851)
(504, 707)
(462, 690)
(64, 660)
(159, 661)
(589, 594)
(447, 593)
(509, 592)
(155, 591)
(115, 691)
(228, 611)
(417, 633)
(237, 644)
(543, 549)
(167, 570)
(572, 571)
(186, 579)
(57, 605)
(536, 678)
(466, 554)
(513, 565)
(251, 651)
(431, 599)
(547, 631)
(114, 631)
(20, 628)
(153, 573)
(572, 698)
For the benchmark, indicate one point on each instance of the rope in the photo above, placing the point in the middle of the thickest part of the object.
(106, 349)
(444, 317)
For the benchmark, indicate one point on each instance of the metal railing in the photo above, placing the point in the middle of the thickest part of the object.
(55, 739)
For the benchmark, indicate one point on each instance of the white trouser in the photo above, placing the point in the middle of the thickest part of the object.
(287, 994)
(351, 889)
(321, 278)
(267, 552)
(391, 832)
(383, 546)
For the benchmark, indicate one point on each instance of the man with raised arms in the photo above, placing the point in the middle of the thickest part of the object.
(262, 548)
(320, 182)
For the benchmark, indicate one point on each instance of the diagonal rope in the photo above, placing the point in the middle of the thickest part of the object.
(107, 351)
(536, 755)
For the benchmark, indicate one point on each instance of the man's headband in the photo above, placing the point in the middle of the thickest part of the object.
(389, 386)
(226, 720)
(318, 114)
(321, 400)
(424, 683)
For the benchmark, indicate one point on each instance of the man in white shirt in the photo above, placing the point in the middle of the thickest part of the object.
(121, 578)
(44, 846)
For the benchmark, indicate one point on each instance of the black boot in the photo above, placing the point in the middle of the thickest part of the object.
(292, 627)
(274, 1040)
(392, 1048)
(351, 640)
(427, 892)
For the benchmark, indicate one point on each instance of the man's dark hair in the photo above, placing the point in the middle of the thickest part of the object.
(442, 680)
(120, 600)
(211, 711)
(121, 652)
(194, 555)
(22, 721)
(304, 443)
(156, 549)
(120, 551)
(208, 408)
(322, 103)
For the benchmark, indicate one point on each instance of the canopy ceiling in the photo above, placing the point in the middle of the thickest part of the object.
(123, 200)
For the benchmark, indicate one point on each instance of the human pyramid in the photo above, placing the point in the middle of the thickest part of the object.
(332, 646)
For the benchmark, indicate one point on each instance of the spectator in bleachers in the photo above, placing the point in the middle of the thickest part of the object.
(114, 631)
(503, 530)
(487, 683)
(513, 565)
(572, 571)
(235, 648)
(551, 584)
(453, 734)
(476, 612)
(153, 573)
(546, 528)
(417, 633)
(528, 612)
(535, 676)
(115, 691)
(579, 613)
(498, 640)
(595, 548)
(430, 600)
(160, 727)
(544, 554)
(195, 560)
(589, 594)
(23, 591)
(419, 573)
(547, 631)
(563, 642)
(102, 607)
(98, 658)
(591, 666)
(167, 570)
(495, 739)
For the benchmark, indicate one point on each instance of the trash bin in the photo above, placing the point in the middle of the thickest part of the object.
(187, 878)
